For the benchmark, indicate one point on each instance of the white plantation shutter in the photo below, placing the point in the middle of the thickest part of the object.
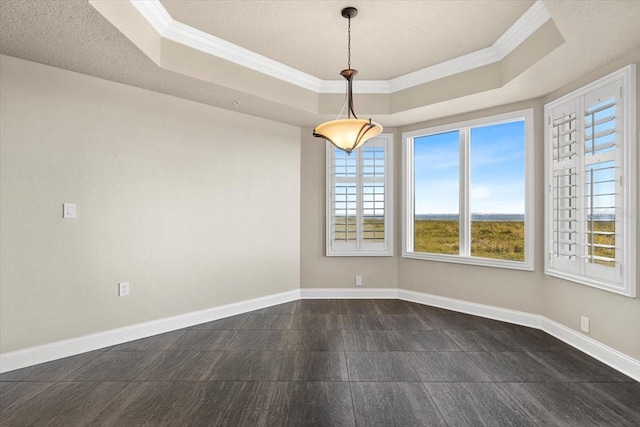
(359, 199)
(564, 187)
(601, 184)
(344, 199)
(590, 235)
(372, 220)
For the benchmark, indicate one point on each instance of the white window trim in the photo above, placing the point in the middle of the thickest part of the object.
(628, 285)
(389, 203)
(408, 192)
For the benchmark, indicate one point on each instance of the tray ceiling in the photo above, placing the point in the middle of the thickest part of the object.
(418, 60)
(311, 35)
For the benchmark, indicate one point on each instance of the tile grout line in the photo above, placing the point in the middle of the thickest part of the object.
(435, 403)
(497, 384)
(346, 364)
(82, 366)
(509, 398)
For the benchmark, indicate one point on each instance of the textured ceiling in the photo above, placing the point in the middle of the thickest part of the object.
(74, 36)
(311, 36)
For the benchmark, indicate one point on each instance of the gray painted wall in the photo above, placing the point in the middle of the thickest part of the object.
(194, 205)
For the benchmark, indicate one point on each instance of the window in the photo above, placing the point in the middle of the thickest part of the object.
(468, 192)
(590, 180)
(359, 199)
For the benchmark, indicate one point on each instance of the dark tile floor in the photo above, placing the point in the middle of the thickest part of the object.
(328, 363)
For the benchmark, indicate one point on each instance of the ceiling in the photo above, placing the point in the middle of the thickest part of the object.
(280, 60)
(311, 36)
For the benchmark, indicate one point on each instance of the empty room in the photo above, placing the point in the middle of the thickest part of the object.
(319, 213)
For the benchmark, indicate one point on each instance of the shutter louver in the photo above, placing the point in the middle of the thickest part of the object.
(373, 195)
(344, 201)
(601, 187)
(564, 188)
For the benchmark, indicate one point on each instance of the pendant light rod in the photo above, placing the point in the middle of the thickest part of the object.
(349, 73)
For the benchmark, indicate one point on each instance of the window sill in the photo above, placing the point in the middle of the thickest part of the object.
(359, 253)
(482, 262)
(618, 289)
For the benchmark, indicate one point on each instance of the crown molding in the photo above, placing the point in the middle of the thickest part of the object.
(167, 27)
(155, 14)
(448, 68)
(205, 42)
(359, 86)
(170, 29)
(526, 25)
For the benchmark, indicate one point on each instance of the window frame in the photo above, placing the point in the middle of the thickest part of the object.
(388, 247)
(408, 202)
(625, 158)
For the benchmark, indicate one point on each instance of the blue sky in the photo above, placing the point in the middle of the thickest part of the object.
(497, 171)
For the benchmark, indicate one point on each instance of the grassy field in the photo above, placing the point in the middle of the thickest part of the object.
(373, 231)
(604, 239)
(489, 239)
(496, 239)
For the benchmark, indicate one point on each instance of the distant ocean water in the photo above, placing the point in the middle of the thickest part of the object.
(474, 217)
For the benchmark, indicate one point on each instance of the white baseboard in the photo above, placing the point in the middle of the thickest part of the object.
(607, 355)
(57, 350)
(45, 353)
(348, 293)
(482, 310)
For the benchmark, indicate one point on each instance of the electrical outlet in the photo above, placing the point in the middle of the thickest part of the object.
(358, 280)
(123, 289)
(584, 324)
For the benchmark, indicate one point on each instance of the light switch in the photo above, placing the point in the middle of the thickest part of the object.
(69, 210)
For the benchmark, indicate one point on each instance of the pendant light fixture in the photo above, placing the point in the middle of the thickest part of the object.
(350, 133)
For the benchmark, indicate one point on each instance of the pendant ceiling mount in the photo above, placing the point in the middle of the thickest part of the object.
(350, 133)
(349, 12)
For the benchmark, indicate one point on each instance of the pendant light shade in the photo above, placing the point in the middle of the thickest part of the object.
(350, 133)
